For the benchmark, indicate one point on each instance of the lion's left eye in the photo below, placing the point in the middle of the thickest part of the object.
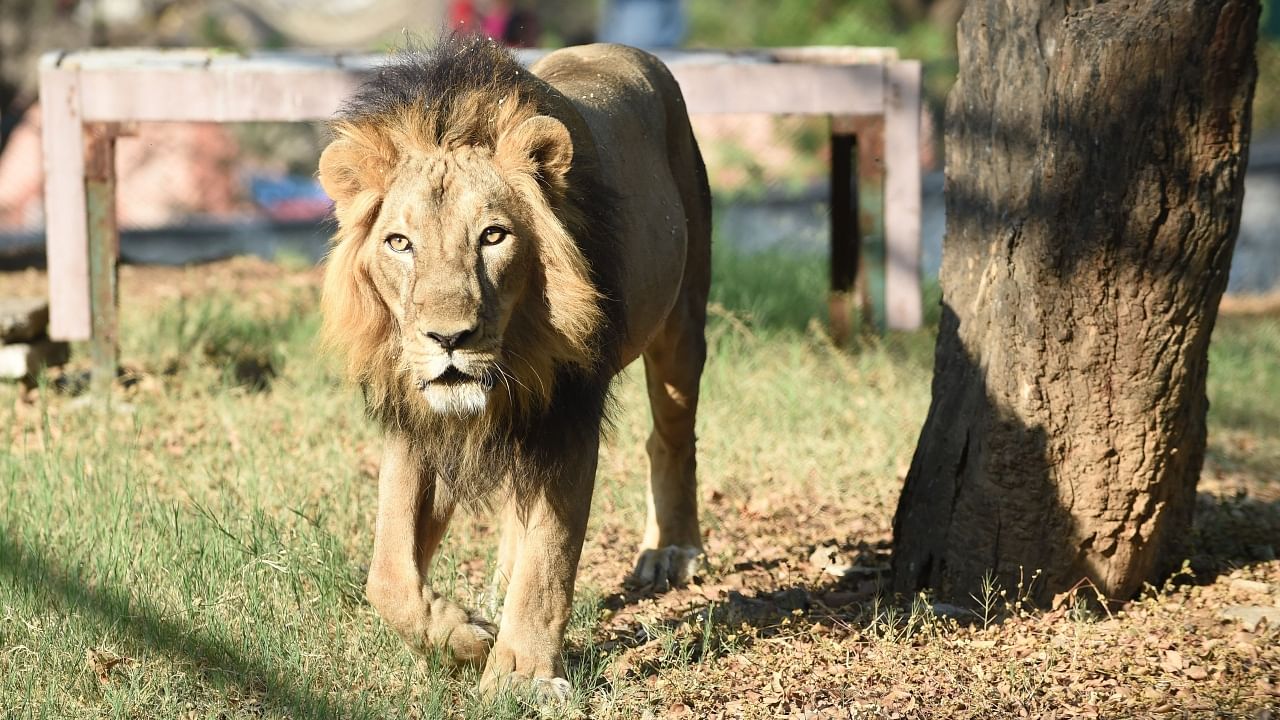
(493, 235)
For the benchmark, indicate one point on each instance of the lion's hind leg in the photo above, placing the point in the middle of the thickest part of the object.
(671, 553)
(410, 525)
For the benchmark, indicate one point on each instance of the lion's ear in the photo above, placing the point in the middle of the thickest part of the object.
(339, 170)
(354, 162)
(541, 146)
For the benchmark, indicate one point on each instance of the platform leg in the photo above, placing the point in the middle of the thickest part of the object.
(846, 235)
(104, 252)
(903, 302)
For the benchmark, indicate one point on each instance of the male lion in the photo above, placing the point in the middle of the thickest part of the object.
(508, 240)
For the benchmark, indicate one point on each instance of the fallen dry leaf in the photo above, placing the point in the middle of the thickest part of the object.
(102, 662)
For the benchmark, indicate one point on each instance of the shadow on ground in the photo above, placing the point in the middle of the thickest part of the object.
(1232, 531)
(30, 571)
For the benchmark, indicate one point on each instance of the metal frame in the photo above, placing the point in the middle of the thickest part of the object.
(86, 95)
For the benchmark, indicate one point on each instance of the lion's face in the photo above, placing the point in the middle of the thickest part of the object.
(452, 273)
(452, 262)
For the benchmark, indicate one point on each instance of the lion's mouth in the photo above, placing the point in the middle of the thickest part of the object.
(453, 377)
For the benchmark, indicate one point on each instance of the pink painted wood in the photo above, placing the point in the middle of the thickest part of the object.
(782, 88)
(66, 216)
(903, 305)
(202, 85)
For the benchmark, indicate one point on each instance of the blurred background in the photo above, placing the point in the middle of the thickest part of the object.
(193, 192)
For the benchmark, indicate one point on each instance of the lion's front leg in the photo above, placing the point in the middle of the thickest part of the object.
(547, 545)
(409, 527)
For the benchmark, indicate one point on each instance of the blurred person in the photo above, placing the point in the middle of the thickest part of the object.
(464, 17)
(502, 20)
(649, 24)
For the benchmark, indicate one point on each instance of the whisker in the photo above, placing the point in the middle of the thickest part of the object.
(529, 365)
(516, 380)
(503, 375)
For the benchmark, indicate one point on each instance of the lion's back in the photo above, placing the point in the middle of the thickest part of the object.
(614, 80)
(636, 115)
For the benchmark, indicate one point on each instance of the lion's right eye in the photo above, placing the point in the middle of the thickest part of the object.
(399, 243)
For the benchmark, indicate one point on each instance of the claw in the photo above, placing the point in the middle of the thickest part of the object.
(551, 690)
(664, 568)
(545, 693)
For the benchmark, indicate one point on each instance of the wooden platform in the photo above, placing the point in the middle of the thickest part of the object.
(89, 96)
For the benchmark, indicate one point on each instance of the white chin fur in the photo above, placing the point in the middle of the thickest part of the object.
(463, 400)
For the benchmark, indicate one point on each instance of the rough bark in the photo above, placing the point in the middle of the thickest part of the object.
(1095, 165)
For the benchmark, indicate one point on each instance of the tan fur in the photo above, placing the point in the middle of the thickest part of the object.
(355, 170)
(520, 157)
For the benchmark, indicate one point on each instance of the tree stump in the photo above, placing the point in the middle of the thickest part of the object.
(1095, 166)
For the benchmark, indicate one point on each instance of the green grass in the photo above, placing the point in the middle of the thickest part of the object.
(1244, 386)
(765, 23)
(214, 527)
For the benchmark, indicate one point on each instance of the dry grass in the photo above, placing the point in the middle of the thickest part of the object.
(1254, 304)
(199, 551)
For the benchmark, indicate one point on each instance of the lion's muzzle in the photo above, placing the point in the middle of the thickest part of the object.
(455, 392)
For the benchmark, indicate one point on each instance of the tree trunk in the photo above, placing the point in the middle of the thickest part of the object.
(1095, 167)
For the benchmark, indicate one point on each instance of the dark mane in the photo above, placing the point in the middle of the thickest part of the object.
(456, 66)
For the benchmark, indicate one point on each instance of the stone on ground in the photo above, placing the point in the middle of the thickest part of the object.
(21, 360)
(22, 319)
(1251, 616)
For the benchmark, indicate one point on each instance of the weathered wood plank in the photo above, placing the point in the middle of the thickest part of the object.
(782, 88)
(903, 305)
(64, 202)
(225, 94)
(834, 55)
(240, 93)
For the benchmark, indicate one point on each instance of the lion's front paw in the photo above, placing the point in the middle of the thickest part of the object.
(551, 691)
(465, 636)
(545, 692)
(662, 568)
(535, 676)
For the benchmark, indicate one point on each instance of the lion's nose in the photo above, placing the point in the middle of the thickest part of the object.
(450, 341)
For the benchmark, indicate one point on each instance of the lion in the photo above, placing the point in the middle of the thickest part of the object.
(508, 240)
